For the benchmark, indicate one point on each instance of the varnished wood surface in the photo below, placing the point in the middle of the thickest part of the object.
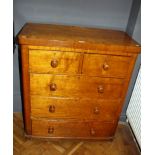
(105, 65)
(82, 50)
(75, 86)
(40, 61)
(26, 88)
(123, 143)
(77, 37)
(62, 62)
(69, 62)
(55, 108)
(72, 128)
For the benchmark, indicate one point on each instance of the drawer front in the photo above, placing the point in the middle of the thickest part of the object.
(106, 65)
(41, 61)
(75, 86)
(72, 129)
(43, 107)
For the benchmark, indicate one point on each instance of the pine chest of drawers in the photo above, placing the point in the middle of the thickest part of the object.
(74, 80)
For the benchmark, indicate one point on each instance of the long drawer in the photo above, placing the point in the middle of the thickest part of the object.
(66, 128)
(55, 108)
(75, 86)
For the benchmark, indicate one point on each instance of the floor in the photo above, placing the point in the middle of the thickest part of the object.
(123, 144)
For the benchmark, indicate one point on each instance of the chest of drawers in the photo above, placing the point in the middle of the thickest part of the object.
(74, 80)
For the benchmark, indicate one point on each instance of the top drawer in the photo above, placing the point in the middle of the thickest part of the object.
(106, 65)
(42, 61)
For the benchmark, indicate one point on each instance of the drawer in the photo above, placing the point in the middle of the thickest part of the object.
(106, 65)
(42, 61)
(75, 86)
(63, 128)
(44, 107)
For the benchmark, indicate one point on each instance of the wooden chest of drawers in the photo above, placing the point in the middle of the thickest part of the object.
(74, 80)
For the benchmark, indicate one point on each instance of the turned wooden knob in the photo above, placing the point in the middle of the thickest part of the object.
(105, 66)
(52, 108)
(96, 110)
(92, 131)
(50, 130)
(100, 89)
(53, 87)
(54, 63)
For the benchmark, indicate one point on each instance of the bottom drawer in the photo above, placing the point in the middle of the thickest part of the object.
(72, 129)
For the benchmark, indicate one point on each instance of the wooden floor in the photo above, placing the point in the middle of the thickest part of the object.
(123, 144)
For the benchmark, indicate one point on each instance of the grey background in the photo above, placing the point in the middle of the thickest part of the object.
(112, 14)
(95, 13)
(135, 32)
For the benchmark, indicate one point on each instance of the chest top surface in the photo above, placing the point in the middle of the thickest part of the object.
(77, 37)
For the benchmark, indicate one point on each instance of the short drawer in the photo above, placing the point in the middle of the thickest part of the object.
(75, 86)
(98, 109)
(106, 65)
(78, 129)
(42, 61)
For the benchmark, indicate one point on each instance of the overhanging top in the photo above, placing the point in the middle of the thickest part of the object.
(77, 37)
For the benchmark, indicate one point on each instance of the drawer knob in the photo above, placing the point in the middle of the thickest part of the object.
(92, 131)
(54, 63)
(96, 110)
(53, 87)
(105, 67)
(100, 89)
(52, 108)
(50, 130)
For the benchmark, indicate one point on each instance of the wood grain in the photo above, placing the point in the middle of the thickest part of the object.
(106, 65)
(74, 80)
(40, 62)
(75, 86)
(74, 108)
(77, 37)
(67, 128)
(26, 88)
(78, 50)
